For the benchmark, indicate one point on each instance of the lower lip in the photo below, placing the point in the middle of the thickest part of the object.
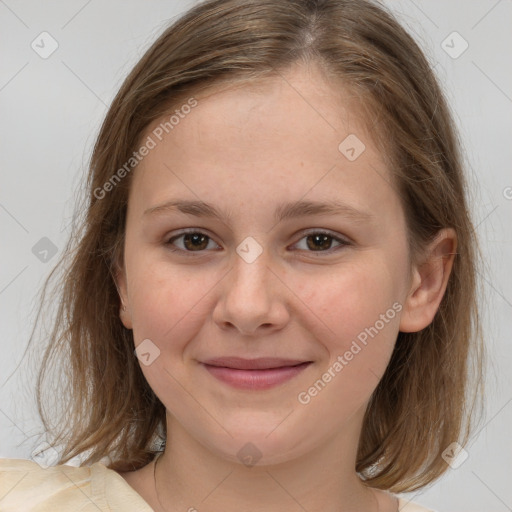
(255, 379)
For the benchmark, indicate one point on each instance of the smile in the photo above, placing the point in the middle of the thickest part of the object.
(257, 374)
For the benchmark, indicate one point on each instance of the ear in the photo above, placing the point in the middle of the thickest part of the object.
(122, 288)
(429, 281)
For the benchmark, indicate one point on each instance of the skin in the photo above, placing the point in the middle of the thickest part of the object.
(245, 150)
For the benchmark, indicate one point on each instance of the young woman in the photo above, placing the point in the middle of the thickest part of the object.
(270, 304)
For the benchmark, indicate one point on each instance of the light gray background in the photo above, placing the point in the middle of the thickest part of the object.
(51, 111)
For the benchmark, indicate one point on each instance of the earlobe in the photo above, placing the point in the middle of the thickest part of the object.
(429, 282)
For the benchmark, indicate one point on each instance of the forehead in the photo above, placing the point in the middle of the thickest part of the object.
(283, 137)
(303, 92)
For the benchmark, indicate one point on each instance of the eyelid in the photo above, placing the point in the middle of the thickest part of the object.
(186, 231)
(336, 236)
(342, 240)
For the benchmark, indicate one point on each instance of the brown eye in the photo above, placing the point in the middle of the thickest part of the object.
(193, 241)
(197, 241)
(320, 241)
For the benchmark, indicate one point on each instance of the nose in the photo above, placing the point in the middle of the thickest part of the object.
(252, 298)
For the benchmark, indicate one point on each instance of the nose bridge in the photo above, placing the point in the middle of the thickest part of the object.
(250, 295)
(250, 277)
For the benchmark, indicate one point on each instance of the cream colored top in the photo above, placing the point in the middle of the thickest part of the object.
(27, 487)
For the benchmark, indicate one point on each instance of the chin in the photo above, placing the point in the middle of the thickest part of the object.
(258, 445)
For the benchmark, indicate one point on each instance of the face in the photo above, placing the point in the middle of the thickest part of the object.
(323, 288)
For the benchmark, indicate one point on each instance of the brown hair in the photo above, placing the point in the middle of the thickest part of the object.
(423, 402)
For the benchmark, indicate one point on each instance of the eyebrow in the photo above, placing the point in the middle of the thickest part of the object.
(283, 211)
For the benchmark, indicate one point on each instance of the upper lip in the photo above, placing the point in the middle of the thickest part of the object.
(260, 363)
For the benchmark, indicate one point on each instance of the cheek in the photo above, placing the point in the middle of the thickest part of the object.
(166, 305)
(164, 301)
(361, 308)
(356, 304)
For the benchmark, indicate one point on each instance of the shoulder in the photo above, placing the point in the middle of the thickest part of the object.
(405, 505)
(26, 486)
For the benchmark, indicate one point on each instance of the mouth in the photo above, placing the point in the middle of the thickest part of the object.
(254, 374)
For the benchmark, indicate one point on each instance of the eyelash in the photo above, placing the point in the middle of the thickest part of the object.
(341, 241)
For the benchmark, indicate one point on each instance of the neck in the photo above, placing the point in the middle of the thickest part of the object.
(191, 477)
